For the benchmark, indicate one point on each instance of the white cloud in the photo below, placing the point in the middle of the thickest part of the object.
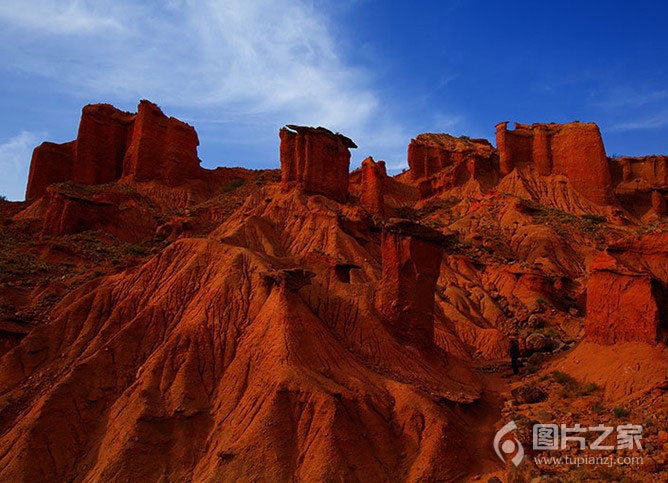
(651, 122)
(252, 65)
(248, 57)
(632, 98)
(57, 17)
(15, 154)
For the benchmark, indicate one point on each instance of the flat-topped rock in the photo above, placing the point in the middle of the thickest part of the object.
(315, 160)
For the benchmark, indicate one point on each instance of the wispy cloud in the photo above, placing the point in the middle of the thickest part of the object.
(241, 57)
(58, 17)
(235, 69)
(651, 122)
(631, 98)
(15, 155)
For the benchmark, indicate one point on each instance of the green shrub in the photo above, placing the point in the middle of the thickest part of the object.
(588, 388)
(598, 408)
(571, 386)
(620, 412)
(563, 378)
(232, 185)
(407, 213)
(594, 218)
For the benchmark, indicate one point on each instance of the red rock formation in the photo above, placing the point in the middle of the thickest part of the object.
(574, 150)
(505, 158)
(104, 133)
(440, 162)
(112, 144)
(70, 210)
(430, 153)
(621, 308)
(626, 293)
(411, 256)
(659, 204)
(158, 370)
(161, 148)
(259, 336)
(316, 159)
(643, 172)
(641, 183)
(542, 155)
(373, 186)
(51, 163)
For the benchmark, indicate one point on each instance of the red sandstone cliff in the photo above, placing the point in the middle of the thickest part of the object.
(411, 261)
(574, 150)
(641, 184)
(440, 162)
(316, 159)
(627, 292)
(51, 163)
(161, 148)
(112, 144)
(373, 180)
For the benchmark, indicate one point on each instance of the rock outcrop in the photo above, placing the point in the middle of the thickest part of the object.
(646, 172)
(430, 153)
(411, 261)
(439, 162)
(161, 148)
(574, 150)
(289, 279)
(641, 184)
(626, 292)
(316, 160)
(73, 209)
(373, 186)
(112, 144)
(101, 144)
(51, 163)
(621, 307)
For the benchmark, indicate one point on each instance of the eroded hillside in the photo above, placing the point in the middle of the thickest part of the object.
(161, 321)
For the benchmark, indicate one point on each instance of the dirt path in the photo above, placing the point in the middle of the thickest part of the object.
(485, 418)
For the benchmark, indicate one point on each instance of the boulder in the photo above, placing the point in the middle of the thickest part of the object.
(529, 394)
(537, 342)
(535, 321)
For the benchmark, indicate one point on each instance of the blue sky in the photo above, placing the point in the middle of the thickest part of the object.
(380, 72)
